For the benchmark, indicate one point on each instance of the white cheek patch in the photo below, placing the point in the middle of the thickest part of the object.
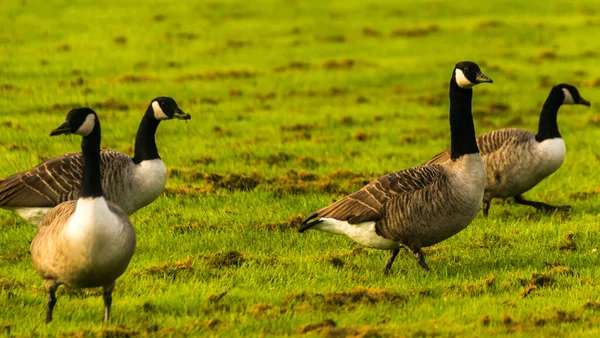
(568, 97)
(159, 114)
(461, 79)
(87, 126)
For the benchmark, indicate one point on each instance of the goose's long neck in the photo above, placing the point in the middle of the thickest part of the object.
(91, 184)
(548, 126)
(145, 143)
(462, 129)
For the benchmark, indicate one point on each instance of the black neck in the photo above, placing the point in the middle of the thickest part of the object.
(462, 130)
(91, 182)
(145, 144)
(548, 127)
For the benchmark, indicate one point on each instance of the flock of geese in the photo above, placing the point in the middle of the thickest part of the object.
(81, 201)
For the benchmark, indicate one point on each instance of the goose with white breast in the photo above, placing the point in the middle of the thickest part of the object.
(131, 183)
(419, 206)
(86, 242)
(517, 160)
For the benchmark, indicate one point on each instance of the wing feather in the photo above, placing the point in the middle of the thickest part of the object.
(54, 181)
(488, 143)
(369, 203)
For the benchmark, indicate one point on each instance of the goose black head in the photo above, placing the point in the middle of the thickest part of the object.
(165, 108)
(570, 94)
(467, 74)
(80, 121)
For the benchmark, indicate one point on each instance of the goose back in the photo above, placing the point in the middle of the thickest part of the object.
(418, 206)
(129, 185)
(514, 160)
(517, 162)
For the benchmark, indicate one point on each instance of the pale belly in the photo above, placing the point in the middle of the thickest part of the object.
(362, 233)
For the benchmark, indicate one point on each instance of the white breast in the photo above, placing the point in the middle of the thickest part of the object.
(148, 182)
(92, 219)
(362, 233)
(551, 154)
(468, 177)
(97, 236)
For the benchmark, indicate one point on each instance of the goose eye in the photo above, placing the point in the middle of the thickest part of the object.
(466, 69)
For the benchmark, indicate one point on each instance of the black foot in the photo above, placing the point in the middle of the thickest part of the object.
(420, 256)
(542, 206)
(51, 299)
(390, 261)
(486, 208)
(107, 295)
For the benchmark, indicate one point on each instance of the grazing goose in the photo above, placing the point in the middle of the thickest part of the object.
(87, 242)
(420, 206)
(517, 160)
(131, 183)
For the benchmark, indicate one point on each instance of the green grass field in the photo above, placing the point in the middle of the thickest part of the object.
(294, 104)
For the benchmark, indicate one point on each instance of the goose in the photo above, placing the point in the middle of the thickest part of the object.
(86, 242)
(423, 205)
(517, 160)
(131, 183)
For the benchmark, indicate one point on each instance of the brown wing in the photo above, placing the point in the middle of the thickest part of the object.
(52, 182)
(367, 204)
(46, 185)
(494, 140)
(487, 143)
(439, 158)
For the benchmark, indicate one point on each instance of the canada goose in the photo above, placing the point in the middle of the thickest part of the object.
(419, 206)
(517, 160)
(131, 183)
(87, 242)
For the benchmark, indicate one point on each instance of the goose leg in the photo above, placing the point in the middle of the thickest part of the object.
(486, 207)
(420, 256)
(540, 205)
(108, 289)
(390, 261)
(51, 287)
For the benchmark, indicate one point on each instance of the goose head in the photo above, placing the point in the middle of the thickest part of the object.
(570, 94)
(80, 121)
(165, 108)
(467, 74)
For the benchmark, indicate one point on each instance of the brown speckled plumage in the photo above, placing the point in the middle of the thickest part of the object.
(58, 180)
(368, 204)
(491, 142)
(416, 207)
(515, 162)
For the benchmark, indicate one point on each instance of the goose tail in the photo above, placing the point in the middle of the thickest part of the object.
(309, 222)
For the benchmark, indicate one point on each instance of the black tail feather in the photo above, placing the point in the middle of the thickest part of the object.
(309, 222)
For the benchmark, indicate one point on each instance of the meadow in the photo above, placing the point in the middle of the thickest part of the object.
(295, 104)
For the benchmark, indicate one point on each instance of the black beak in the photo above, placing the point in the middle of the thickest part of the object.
(180, 115)
(584, 102)
(483, 78)
(62, 129)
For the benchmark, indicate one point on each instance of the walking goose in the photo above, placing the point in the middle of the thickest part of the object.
(131, 183)
(420, 206)
(517, 160)
(87, 242)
